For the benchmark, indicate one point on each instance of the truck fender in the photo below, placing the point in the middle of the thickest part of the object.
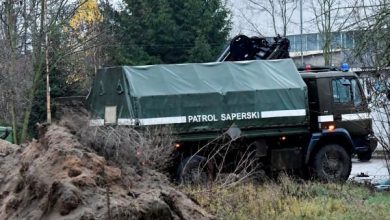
(341, 134)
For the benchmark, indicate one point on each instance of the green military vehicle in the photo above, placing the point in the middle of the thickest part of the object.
(6, 134)
(312, 122)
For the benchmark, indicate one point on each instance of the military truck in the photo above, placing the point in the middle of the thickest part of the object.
(6, 134)
(294, 121)
(254, 94)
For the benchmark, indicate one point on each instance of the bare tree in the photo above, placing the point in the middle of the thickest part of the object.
(23, 31)
(372, 51)
(13, 61)
(279, 11)
(331, 16)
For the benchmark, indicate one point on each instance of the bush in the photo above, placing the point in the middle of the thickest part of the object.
(150, 146)
(287, 199)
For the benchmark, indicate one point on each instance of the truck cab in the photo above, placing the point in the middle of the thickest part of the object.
(336, 100)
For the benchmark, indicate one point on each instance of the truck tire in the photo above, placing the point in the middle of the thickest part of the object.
(193, 170)
(331, 163)
(365, 156)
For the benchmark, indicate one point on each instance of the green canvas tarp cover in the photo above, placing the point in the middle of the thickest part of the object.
(201, 97)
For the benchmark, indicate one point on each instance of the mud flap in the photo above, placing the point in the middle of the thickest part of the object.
(285, 159)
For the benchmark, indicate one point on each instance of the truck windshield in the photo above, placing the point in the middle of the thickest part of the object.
(346, 92)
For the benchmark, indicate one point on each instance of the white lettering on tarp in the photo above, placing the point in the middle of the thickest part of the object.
(224, 117)
(240, 116)
(201, 118)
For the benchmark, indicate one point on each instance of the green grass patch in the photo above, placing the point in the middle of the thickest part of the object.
(288, 199)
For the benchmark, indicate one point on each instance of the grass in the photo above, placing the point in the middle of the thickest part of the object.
(288, 199)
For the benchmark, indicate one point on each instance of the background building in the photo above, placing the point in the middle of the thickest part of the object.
(312, 44)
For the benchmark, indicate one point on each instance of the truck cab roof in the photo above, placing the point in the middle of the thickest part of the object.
(329, 74)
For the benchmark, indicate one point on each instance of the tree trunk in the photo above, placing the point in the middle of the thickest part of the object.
(14, 127)
(38, 61)
(11, 40)
(31, 96)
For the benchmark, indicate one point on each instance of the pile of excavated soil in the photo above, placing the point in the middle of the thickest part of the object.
(58, 178)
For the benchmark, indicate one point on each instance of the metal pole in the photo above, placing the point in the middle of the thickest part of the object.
(301, 11)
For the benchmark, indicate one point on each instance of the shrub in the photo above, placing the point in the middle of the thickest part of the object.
(288, 199)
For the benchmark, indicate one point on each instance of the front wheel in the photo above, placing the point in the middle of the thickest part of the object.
(332, 163)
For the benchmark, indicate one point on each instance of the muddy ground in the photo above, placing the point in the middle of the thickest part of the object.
(57, 177)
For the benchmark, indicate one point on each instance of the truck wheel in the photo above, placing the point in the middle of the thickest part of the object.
(332, 163)
(194, 170)
(365, 156)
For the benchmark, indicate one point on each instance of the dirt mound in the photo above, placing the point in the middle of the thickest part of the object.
(58, 178)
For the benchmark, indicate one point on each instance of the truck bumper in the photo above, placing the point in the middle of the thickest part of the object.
(367, 144)
(373, 143)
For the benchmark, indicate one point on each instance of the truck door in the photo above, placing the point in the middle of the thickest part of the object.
(349, 106)
(314, 107)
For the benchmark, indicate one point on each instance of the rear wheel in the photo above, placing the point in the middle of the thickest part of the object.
(332, 163)
(365, 156)
(195, 170)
